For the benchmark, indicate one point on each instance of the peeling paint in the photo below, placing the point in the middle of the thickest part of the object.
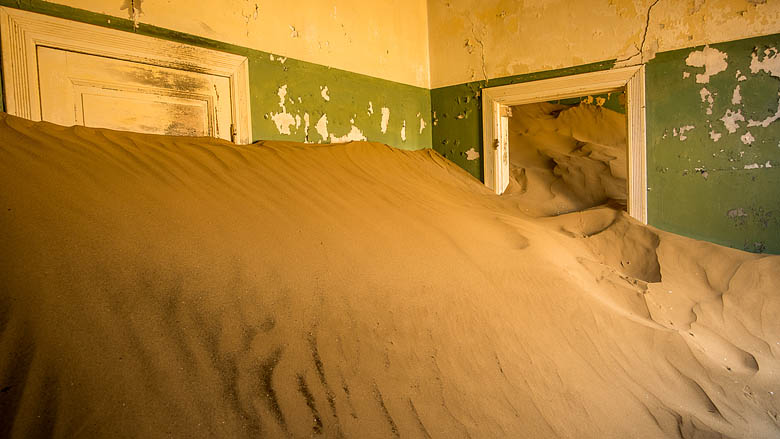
(324, 92)
(353, 135)
(403, 132)
(766, 122)
(715, 136)
(681, 132)
(747, 138)
(283, 119)
(472, 154)
(706, 96)
(736, 97)
(385, 119)
(322, 127)
(370, 108)
(422, 125)
(731, 120)
(713, 61)
(752, 166)
(769, 63)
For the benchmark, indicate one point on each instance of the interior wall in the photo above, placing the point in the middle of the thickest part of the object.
(713, 138)
(485, 39)
(291, 99)
(387, 40)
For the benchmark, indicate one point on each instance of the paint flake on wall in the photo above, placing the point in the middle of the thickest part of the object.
(322, 127)
(324, 93)
(385, 119)
(712, 60)
(747, 138)
(731, 120)
(353, 135)
(472, 154)
(283, 119)
(769, 63)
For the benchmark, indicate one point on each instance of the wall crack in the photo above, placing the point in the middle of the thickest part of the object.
(641, 48)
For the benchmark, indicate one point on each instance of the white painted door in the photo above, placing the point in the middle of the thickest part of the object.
(102, 92)
(502, 176)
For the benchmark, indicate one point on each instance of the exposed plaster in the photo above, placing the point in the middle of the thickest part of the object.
(322, 127)
(731, 120)
(370, 108)
(324, 93)
(770, 62)
(472, 154)
(385, 119)
(766, 122)
(736, 97)
(706, 96)
(403, 132)
(283, 119)
(353, 135)
(422, 124)
(747, 138)
(713, 61)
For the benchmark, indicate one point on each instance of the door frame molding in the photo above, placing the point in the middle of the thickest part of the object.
(631, 78)
(21, 32)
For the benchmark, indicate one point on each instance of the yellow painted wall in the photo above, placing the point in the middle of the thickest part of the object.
(479, 39)
(383, 39)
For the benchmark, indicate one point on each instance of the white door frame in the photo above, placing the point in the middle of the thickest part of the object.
(21, 32)
(496, 148)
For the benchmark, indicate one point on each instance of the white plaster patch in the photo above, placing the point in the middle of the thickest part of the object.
(324, 93)
(403, 132)
(706, 96)
(293, 33)
(715, 136)
(370, 108)
(768, 164)
(472, 154)
(731, 120)
(740, 77)
(770, 62)
(322, 127)
(686, 75)
(747, 138)
(385, 119)
(353, 135)
(422, 125)
(713, 61)
(284, 120)
(271, 56)
(736, 98)
(766, 122)
(752, 166)
(682, 131)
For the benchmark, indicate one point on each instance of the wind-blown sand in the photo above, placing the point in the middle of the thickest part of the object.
(566, 158)
(156, 286)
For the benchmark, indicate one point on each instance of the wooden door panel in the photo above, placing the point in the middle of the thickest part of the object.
(102, 92)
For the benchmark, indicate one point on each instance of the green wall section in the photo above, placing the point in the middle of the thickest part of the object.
(726, 191)
(349, 93)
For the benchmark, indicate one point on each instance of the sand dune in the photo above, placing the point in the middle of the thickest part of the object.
(566, 158)
(155, 286)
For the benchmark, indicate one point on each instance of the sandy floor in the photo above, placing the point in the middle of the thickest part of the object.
(156, 287)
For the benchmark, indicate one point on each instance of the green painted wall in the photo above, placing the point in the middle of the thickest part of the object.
(725, 191)
(349, 93)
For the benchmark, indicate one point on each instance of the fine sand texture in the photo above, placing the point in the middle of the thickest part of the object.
(157, 286)
(566, 158)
